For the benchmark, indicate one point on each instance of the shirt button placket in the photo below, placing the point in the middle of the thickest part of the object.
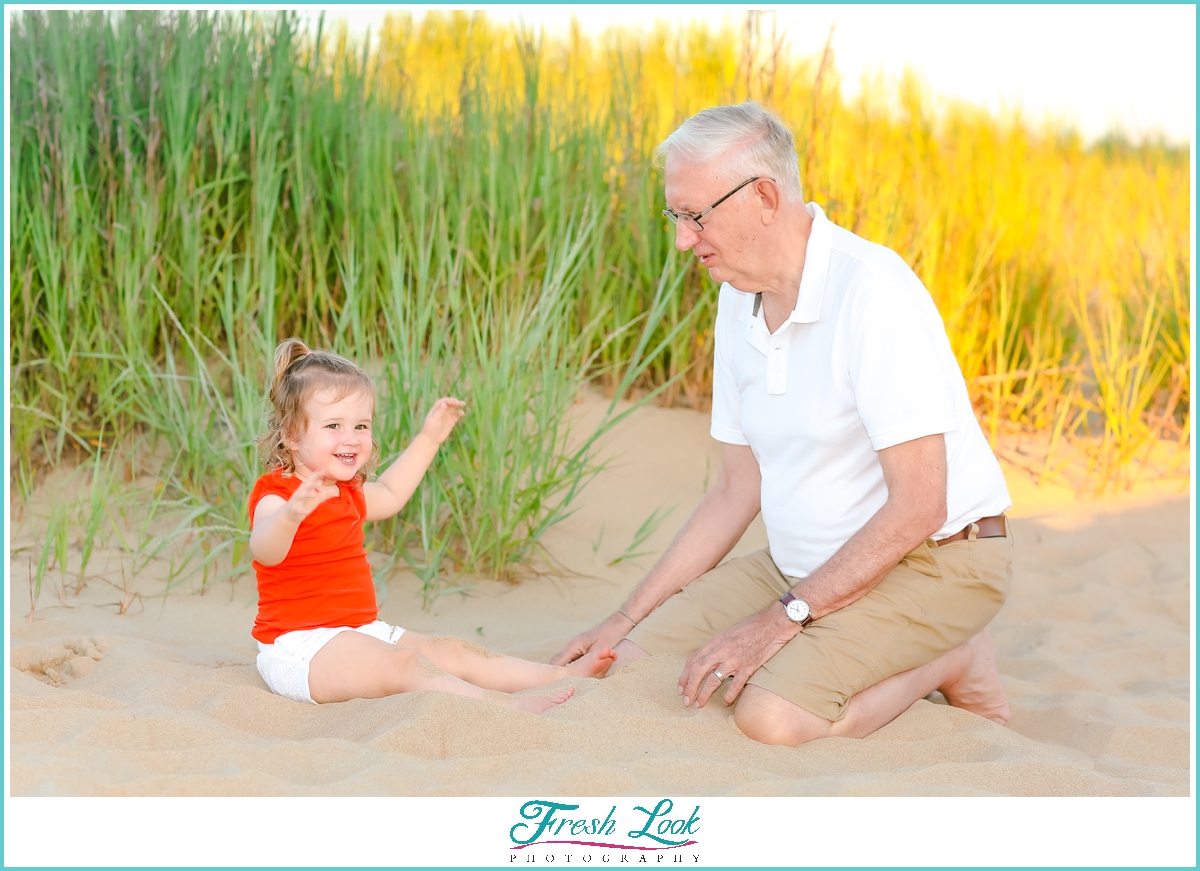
(777, 366)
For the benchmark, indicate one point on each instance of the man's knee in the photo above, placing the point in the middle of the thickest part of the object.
(772, 719)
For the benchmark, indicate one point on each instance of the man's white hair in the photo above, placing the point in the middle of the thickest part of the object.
(751, 140)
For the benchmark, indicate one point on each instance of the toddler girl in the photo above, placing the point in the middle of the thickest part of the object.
(318, 635)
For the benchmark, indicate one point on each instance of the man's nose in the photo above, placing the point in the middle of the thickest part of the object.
(685, 237)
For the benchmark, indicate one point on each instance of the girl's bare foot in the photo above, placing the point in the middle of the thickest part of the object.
(976, 687)
(594, 664)
(538, 704)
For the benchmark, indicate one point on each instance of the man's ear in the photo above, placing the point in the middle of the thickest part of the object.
(769, 199)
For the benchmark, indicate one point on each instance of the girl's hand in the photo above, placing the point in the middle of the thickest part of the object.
(307, 497)
(446, 412)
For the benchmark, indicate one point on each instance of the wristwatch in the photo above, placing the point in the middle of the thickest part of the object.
(797, 610)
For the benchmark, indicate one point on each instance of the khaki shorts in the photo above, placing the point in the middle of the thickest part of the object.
(933, 601)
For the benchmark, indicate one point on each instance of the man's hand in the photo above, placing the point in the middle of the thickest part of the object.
(446, 412)
(714, 527)
(606, 634)
(737, 652)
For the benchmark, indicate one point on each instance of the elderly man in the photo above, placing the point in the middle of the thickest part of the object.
(844, 419)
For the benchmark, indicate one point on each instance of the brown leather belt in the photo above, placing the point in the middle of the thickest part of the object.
(989, 527)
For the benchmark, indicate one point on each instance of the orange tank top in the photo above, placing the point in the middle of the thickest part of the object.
(325, 579)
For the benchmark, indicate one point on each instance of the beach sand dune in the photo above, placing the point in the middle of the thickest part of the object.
(164, 699)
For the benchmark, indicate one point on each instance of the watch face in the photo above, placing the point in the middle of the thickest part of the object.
(797, 610)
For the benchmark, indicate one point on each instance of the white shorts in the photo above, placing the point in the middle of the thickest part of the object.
(284, 664)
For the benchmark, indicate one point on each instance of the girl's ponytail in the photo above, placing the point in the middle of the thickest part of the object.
(288, 352)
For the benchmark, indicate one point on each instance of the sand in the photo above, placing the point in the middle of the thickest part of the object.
(164, 700)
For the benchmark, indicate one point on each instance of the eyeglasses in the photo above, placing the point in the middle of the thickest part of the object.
(692, 222)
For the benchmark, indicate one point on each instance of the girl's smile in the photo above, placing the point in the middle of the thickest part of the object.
(337, 436)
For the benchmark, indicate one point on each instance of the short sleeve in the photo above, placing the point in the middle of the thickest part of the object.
(272, 483)
(902, 386)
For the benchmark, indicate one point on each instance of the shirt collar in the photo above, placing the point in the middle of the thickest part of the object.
(816, 268)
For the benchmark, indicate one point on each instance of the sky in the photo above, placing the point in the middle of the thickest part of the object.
(1096, 68)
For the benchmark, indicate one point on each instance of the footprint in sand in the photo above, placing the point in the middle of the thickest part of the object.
(56, 663)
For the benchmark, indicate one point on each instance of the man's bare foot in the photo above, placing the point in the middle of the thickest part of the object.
(594, 664)
(538, 704)
(976, 687)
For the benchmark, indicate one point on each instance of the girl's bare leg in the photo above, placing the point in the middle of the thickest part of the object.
(357, 666)
(494, 671)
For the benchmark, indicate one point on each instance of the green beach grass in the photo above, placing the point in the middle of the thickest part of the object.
(470, 209)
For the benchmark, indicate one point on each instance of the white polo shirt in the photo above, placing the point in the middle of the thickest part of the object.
(862, 363)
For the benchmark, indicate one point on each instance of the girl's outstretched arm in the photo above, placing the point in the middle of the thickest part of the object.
(391, 492)
(276, 521)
